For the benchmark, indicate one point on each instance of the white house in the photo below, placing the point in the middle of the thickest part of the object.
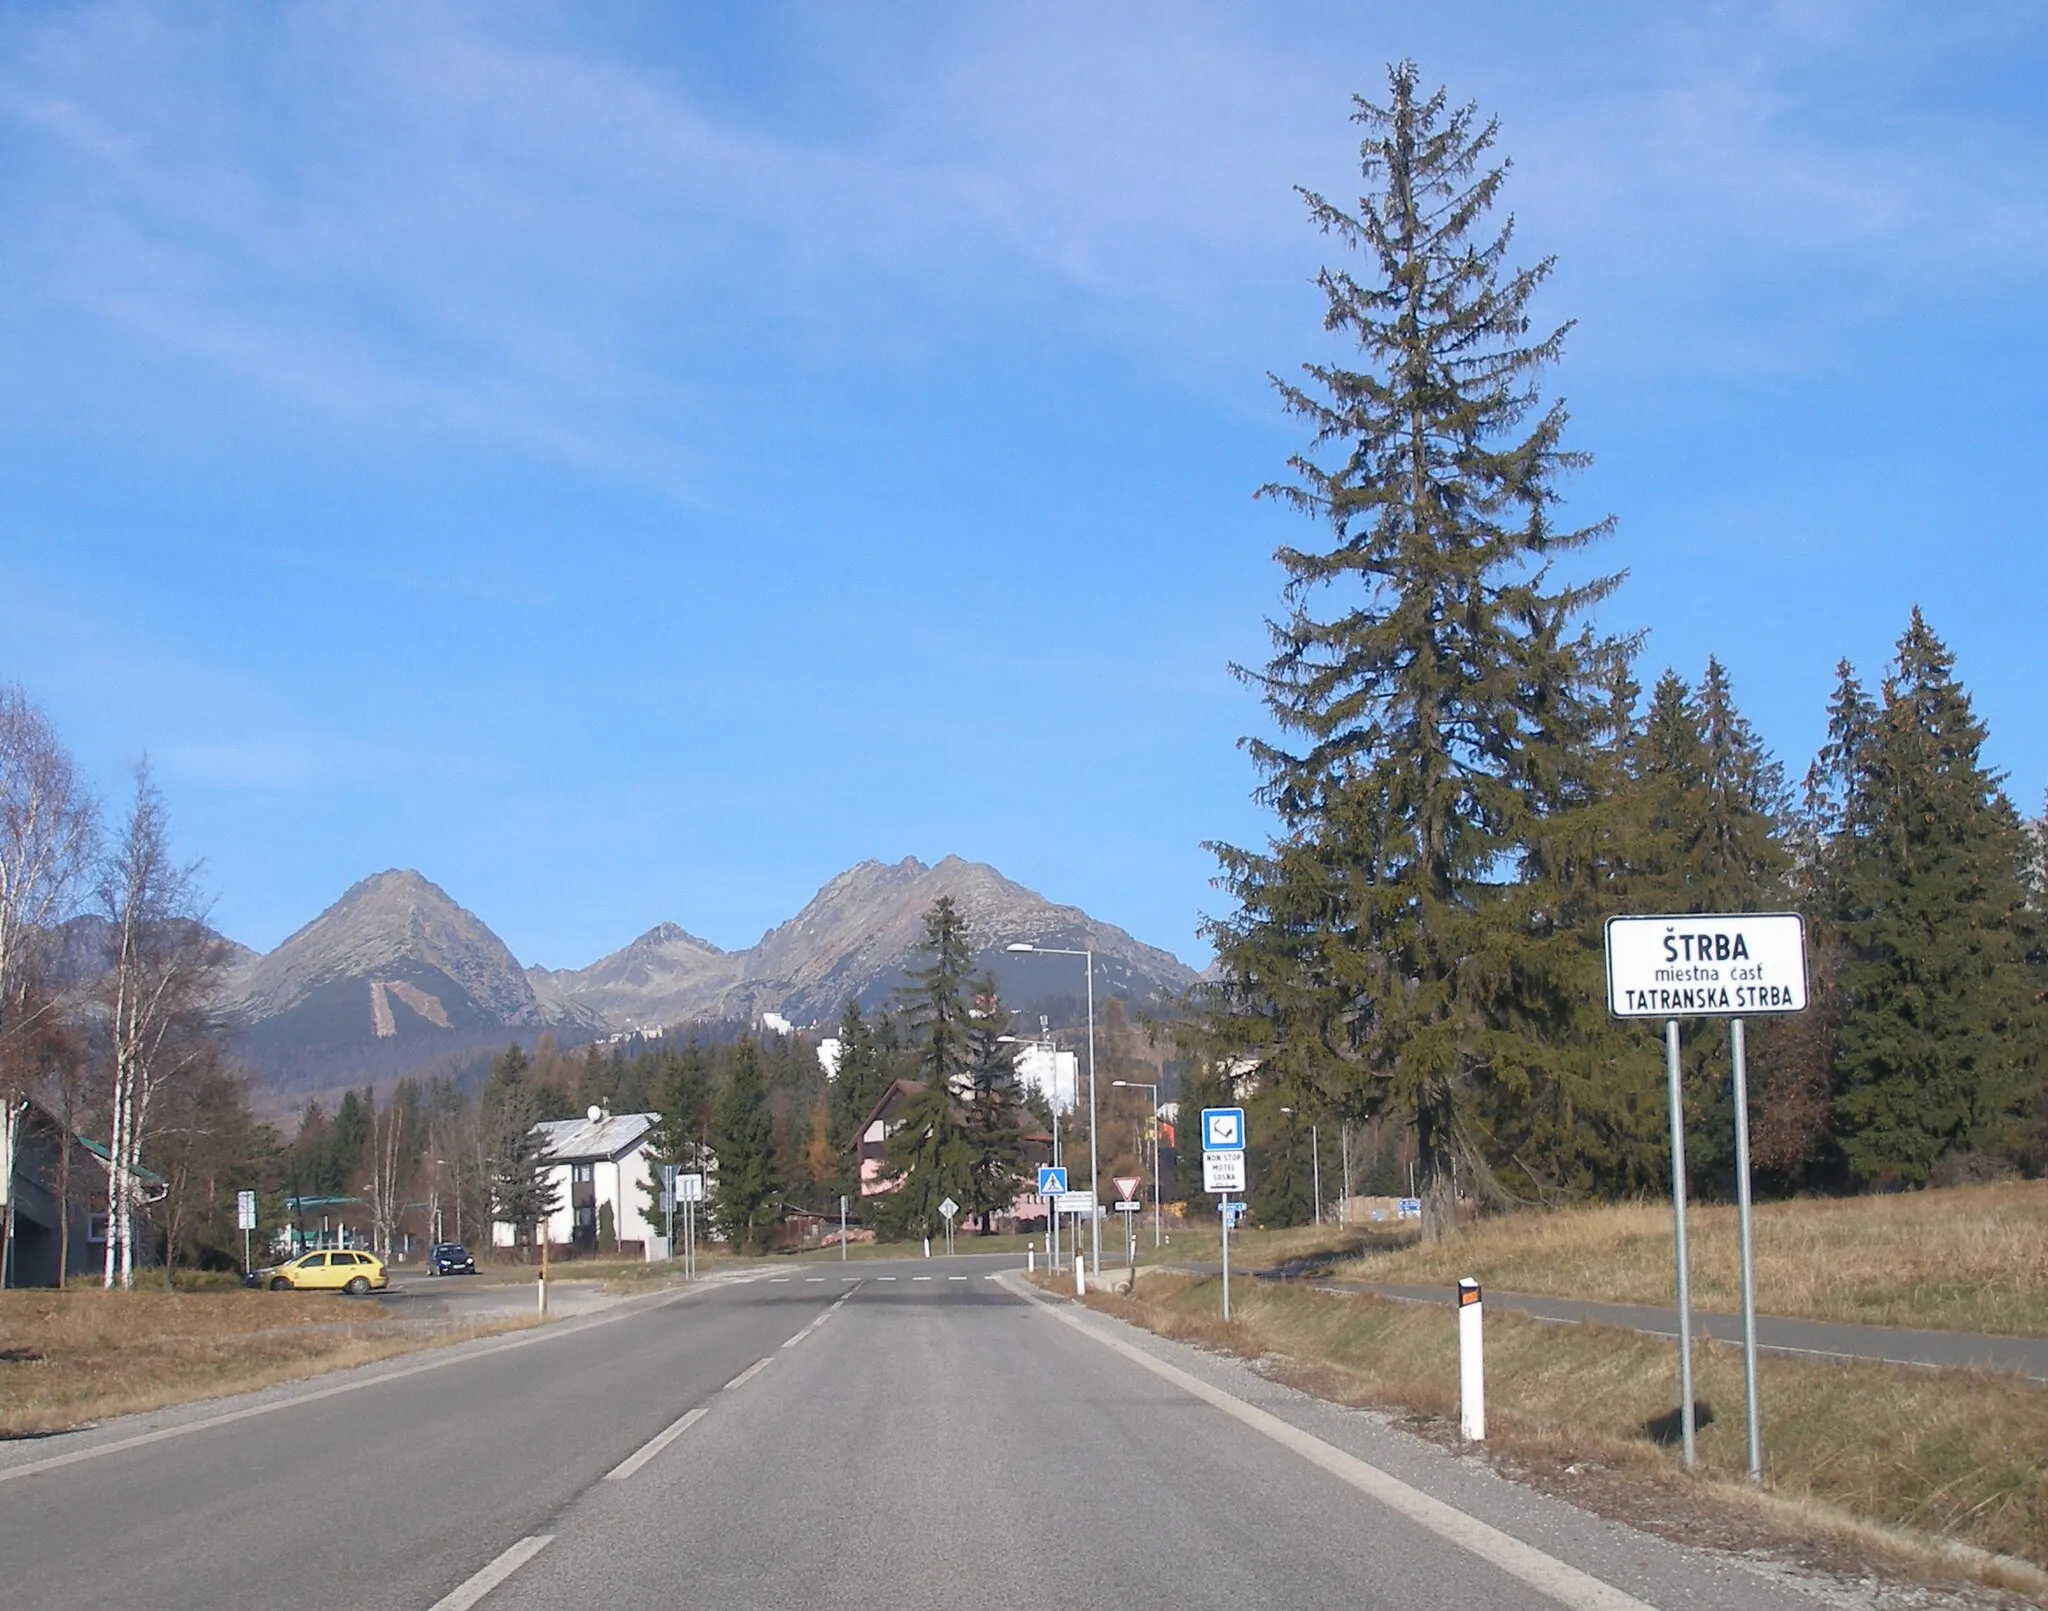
(598, 1159)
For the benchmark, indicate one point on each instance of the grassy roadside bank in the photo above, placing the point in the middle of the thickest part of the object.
(1929, 1475)
(1970, 1258)
(68, 1359)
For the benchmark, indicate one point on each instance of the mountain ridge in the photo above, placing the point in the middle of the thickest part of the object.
(396, 962)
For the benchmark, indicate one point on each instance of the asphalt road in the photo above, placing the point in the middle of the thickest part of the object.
(911, 1435)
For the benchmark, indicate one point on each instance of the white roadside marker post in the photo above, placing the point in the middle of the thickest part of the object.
(1080, 1273)
(1031, 1258)
(1471, 1363)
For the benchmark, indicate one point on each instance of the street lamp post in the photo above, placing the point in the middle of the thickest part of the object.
(1094, 1183)
(1144, 1085)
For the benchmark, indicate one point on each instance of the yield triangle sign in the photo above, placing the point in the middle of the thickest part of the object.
(1127, 1186)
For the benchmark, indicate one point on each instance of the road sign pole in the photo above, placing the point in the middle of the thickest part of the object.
(1094, 1168)
(1225, 1200)
(1155, 1168)
(842, 1227)
(1749, 1382)
(1671, 1076)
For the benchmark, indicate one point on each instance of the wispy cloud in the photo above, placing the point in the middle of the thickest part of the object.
(461, 220)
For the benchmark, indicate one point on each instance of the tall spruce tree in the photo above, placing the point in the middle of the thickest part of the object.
(1441, 699)
(1940, 1049)
(1705, 832)
(995, 1130)
(928, 1153)
(681, 1082)
(746, 1202)
(522, 1190)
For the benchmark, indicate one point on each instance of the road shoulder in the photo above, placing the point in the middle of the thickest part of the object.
(1645, 1565)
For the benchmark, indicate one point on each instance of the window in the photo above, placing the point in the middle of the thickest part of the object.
(96, 1228)
(579, 1173)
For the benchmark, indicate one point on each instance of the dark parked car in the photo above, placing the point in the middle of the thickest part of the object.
(450, 1258)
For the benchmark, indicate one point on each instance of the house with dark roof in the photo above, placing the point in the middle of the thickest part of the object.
(36, 1193)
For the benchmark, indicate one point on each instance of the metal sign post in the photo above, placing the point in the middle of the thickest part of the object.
(689, 1192)
(245, 1221)
(1223, 1143)
(1223, 1207)
(1684, 1256)
(842, 1227)
(1732, 966)
(1052, 1184)
(1750, 1406)
(668, 1205)
(947, 1210)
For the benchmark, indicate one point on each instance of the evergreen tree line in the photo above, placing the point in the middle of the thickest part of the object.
(1466, 780)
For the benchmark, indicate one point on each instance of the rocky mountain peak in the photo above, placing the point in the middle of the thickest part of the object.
(395, 923)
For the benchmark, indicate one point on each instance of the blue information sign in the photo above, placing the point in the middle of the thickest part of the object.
(1051, 1181)
(1223, 1129)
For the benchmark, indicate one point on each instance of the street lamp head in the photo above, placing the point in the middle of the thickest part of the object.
(1020, 945)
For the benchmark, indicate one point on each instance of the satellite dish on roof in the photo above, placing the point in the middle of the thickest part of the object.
(595, 1113)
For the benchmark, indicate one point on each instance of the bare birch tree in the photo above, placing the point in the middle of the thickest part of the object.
(394, 1159)
(47, 822)
(158, 980)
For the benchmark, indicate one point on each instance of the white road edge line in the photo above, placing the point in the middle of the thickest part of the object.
(824, 1315)
(654, 1445)
(749, 1373)
(467, 1594)
(441, 1361)
(1543, 1573)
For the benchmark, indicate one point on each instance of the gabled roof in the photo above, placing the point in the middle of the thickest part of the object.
(610, 1136)
(898, 1089)
(96, 1148)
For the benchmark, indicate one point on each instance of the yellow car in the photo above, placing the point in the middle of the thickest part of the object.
(339, 1271)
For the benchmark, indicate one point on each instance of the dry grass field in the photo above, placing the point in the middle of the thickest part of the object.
(71, 1358)
(1866, 1463)
(1973, 1258)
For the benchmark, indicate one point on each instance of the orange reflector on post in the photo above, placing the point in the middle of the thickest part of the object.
(1468, 1291)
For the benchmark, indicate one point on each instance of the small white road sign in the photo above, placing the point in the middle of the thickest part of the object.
(1222, 1171)
(1127, 1186)
(1223, 1129)
(1734, 966)
(1128, 1207)
(245, 1211)
(689, 1188)
(1052, 1179)
(1075, 1202)
(949, 1208)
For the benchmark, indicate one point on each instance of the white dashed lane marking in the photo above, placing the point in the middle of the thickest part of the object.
(470, 1590)
(654, 1446)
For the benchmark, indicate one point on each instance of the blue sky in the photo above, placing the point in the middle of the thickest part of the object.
(631, 462)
